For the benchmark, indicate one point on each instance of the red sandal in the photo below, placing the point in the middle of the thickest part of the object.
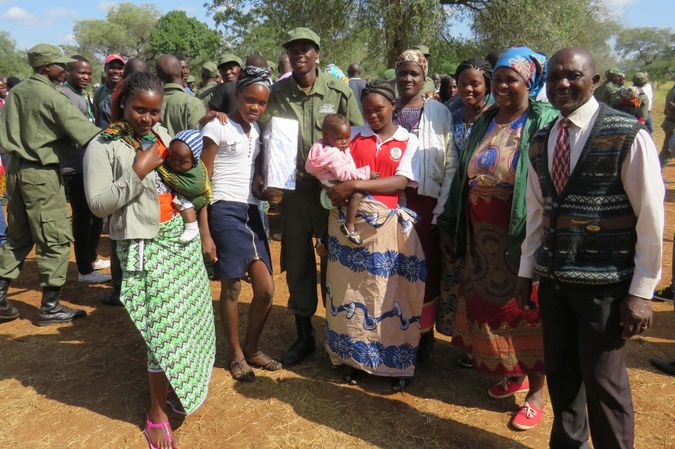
(162, 425)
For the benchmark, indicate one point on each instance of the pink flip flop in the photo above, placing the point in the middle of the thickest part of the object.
(162, 425)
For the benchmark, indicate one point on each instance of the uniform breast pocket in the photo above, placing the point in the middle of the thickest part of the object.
(229, 147)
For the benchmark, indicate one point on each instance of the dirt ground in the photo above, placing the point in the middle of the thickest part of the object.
(83, 385)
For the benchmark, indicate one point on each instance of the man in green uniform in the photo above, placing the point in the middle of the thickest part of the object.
(306, 96)
(180, 110)
(429, 88)
(38, 126)
(209, 82)
(613, 81)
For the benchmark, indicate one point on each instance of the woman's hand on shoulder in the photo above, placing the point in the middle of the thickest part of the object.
(146, 161)
(221, 116)
(340, 194)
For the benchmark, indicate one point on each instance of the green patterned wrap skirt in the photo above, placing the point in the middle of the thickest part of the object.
(167, 293)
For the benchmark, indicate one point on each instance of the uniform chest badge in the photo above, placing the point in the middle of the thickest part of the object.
(396, 153)
(327, 108)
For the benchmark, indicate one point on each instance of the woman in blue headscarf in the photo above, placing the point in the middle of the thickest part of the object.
(484, 220)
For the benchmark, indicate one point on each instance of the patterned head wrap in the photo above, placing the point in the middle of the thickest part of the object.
(527, 63)
(335, 72)
(193, 138)
(254, 75)
(413, 55)
(383, 88)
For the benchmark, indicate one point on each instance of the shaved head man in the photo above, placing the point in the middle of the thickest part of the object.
(594, 238)
(169, 69)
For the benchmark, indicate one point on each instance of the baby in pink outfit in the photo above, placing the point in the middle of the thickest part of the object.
(330, 160)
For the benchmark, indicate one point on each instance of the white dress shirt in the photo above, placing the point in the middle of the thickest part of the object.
(642, 181)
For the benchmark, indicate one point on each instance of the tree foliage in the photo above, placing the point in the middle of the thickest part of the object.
(646, 44)
(13, 62)
(179, 34)
(126, 30)
(545, 26)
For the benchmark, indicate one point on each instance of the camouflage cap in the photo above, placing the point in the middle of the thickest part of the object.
(616, 72)
(210, 69)
(640, 78)
(423, 48)
(45, 54)
(301, 34)
(229, 57)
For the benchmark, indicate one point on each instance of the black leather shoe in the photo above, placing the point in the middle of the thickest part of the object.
(53, 312)
(304, 344)
(7, 311)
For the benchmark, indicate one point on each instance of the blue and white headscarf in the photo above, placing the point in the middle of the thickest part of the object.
(527, 63)
(193, 138)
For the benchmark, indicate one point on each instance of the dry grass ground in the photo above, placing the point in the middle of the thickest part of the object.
(83, 385)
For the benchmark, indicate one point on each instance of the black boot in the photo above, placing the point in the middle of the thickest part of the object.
(426, 348)
(303, 345)
(53, 312)
(7, 311)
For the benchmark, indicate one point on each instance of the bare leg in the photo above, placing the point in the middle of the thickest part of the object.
(536, 394)
(263, 292)
(352, 209)
(159, 388)
(189, 215)
(229, 315)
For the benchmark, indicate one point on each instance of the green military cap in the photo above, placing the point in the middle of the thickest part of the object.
(229, 57)
(640, 77)
(210, 69)
(423, 48)
(190, 79)
(301, 34)
(616, 72)
(390, 74)
(44, 54)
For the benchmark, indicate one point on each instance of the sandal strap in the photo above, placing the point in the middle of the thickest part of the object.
(164, 425)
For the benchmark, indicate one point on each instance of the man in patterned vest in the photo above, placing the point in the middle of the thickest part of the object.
(594, 233)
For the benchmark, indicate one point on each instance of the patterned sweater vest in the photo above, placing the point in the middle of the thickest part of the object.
(589, 228)
(383, 161)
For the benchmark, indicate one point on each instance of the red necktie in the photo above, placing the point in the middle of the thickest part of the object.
(560, 169)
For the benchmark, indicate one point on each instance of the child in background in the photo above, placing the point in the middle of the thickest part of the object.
(186, 174)
(330, 160)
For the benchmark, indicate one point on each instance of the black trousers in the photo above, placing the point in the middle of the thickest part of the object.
(302, 218)
(586, 365)
(86, 226)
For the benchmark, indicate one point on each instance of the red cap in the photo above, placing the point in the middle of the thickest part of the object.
(114, 57)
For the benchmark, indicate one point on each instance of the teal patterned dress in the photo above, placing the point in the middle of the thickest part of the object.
(167, 293)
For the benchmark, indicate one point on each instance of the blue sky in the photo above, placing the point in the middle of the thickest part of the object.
(34, 21)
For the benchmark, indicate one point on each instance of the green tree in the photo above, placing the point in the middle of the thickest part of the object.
(545, 26)
(179, 34)
(126, 30)
(646, 45)
(13, 62)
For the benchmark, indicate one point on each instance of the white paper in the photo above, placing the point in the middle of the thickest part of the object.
(280, 143)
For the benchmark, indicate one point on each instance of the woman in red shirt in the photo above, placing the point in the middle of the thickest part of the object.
(375, 290)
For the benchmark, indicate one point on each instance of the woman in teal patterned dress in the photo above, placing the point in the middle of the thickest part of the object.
(165, 287)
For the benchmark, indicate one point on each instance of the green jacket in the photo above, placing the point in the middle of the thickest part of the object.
(453, 221)
(180, 110)
(605, 91)
(206, 92)
(328, 95)
(40, 124)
